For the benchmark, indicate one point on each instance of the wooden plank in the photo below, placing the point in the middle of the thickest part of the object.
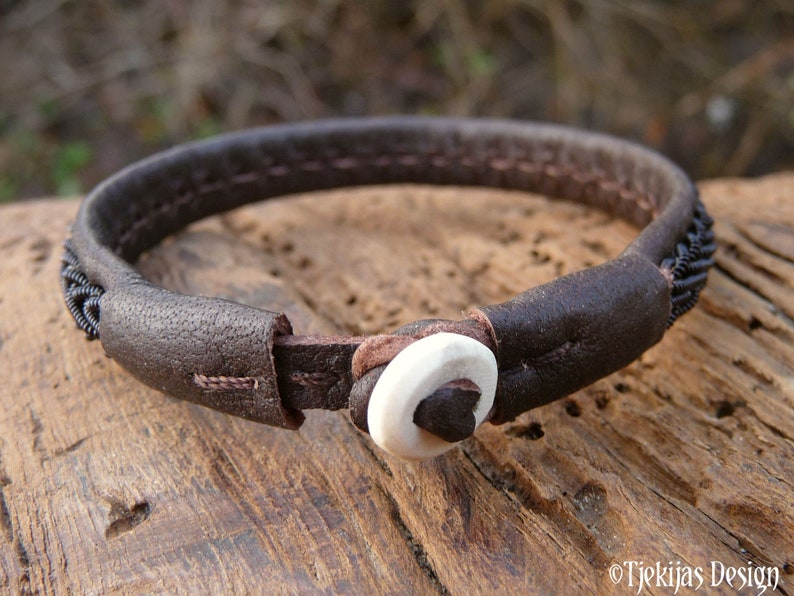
(683, 458)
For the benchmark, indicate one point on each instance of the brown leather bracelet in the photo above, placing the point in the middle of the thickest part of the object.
(546, 342)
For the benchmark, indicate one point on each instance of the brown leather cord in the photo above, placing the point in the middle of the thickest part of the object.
(374, 353)
(381, 349)
(549, 341)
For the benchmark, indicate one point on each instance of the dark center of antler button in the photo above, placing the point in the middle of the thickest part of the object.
(448, 412)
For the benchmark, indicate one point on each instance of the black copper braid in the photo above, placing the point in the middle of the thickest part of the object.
(691, 263)
(81, 296)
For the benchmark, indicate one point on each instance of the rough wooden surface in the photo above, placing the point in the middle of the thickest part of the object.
(684, 458)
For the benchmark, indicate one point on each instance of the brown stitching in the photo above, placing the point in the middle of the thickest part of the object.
(408, 160)
(143, 220)
(323, 380)
(646, 203)
(582, 178)
(224, 383)
(548, 358)
(553, 171)
(529, 167)
(208, 187)
(313, 165)
(542, 361)
(345, 163)
(245, 177)
(502, 165)
(279, 170)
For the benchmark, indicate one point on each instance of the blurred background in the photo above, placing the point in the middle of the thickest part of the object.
(87, 86)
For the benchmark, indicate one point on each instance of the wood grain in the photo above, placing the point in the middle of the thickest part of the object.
(685, 456)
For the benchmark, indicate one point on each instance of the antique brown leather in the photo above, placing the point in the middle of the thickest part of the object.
(549, 341)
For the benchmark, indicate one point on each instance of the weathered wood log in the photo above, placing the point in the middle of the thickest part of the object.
(683, 458)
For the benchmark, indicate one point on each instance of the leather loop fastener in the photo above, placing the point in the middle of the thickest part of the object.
(371, 357)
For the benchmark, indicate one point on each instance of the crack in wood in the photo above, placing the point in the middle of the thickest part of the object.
(778, 232)
(70, 448)
(634, 451)
(746, 285)
(228, 478)
(370, 448)
(748, 367)
(769, 426)
(746, 549)
(415, 546)
(504, 476)
(36, 428)
(733, 251)
(743, 547)
(5, 516)
(7, 526)
(746, 282)
(24, 563)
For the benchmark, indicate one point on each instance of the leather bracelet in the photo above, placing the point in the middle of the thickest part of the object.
(429, 384)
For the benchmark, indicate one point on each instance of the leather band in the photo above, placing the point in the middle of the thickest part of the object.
(549, 341)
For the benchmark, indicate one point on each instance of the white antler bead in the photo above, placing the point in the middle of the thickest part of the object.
(416, 373)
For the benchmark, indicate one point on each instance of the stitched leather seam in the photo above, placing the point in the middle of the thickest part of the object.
(552, 356)
(231, 383)
(315, 379)
(225, 383)
(646, 203)
(542, 361)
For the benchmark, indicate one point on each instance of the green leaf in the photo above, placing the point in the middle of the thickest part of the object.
(69, 160)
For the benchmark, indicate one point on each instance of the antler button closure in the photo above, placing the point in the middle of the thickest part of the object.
(417, 373)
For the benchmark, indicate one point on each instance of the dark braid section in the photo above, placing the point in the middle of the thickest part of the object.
(81, 296)
(693, 258)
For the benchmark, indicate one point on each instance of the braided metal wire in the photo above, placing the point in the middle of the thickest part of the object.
(81, 296)
(690, 264)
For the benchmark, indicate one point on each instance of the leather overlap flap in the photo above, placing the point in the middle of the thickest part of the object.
(559, 337)
(210, 351)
